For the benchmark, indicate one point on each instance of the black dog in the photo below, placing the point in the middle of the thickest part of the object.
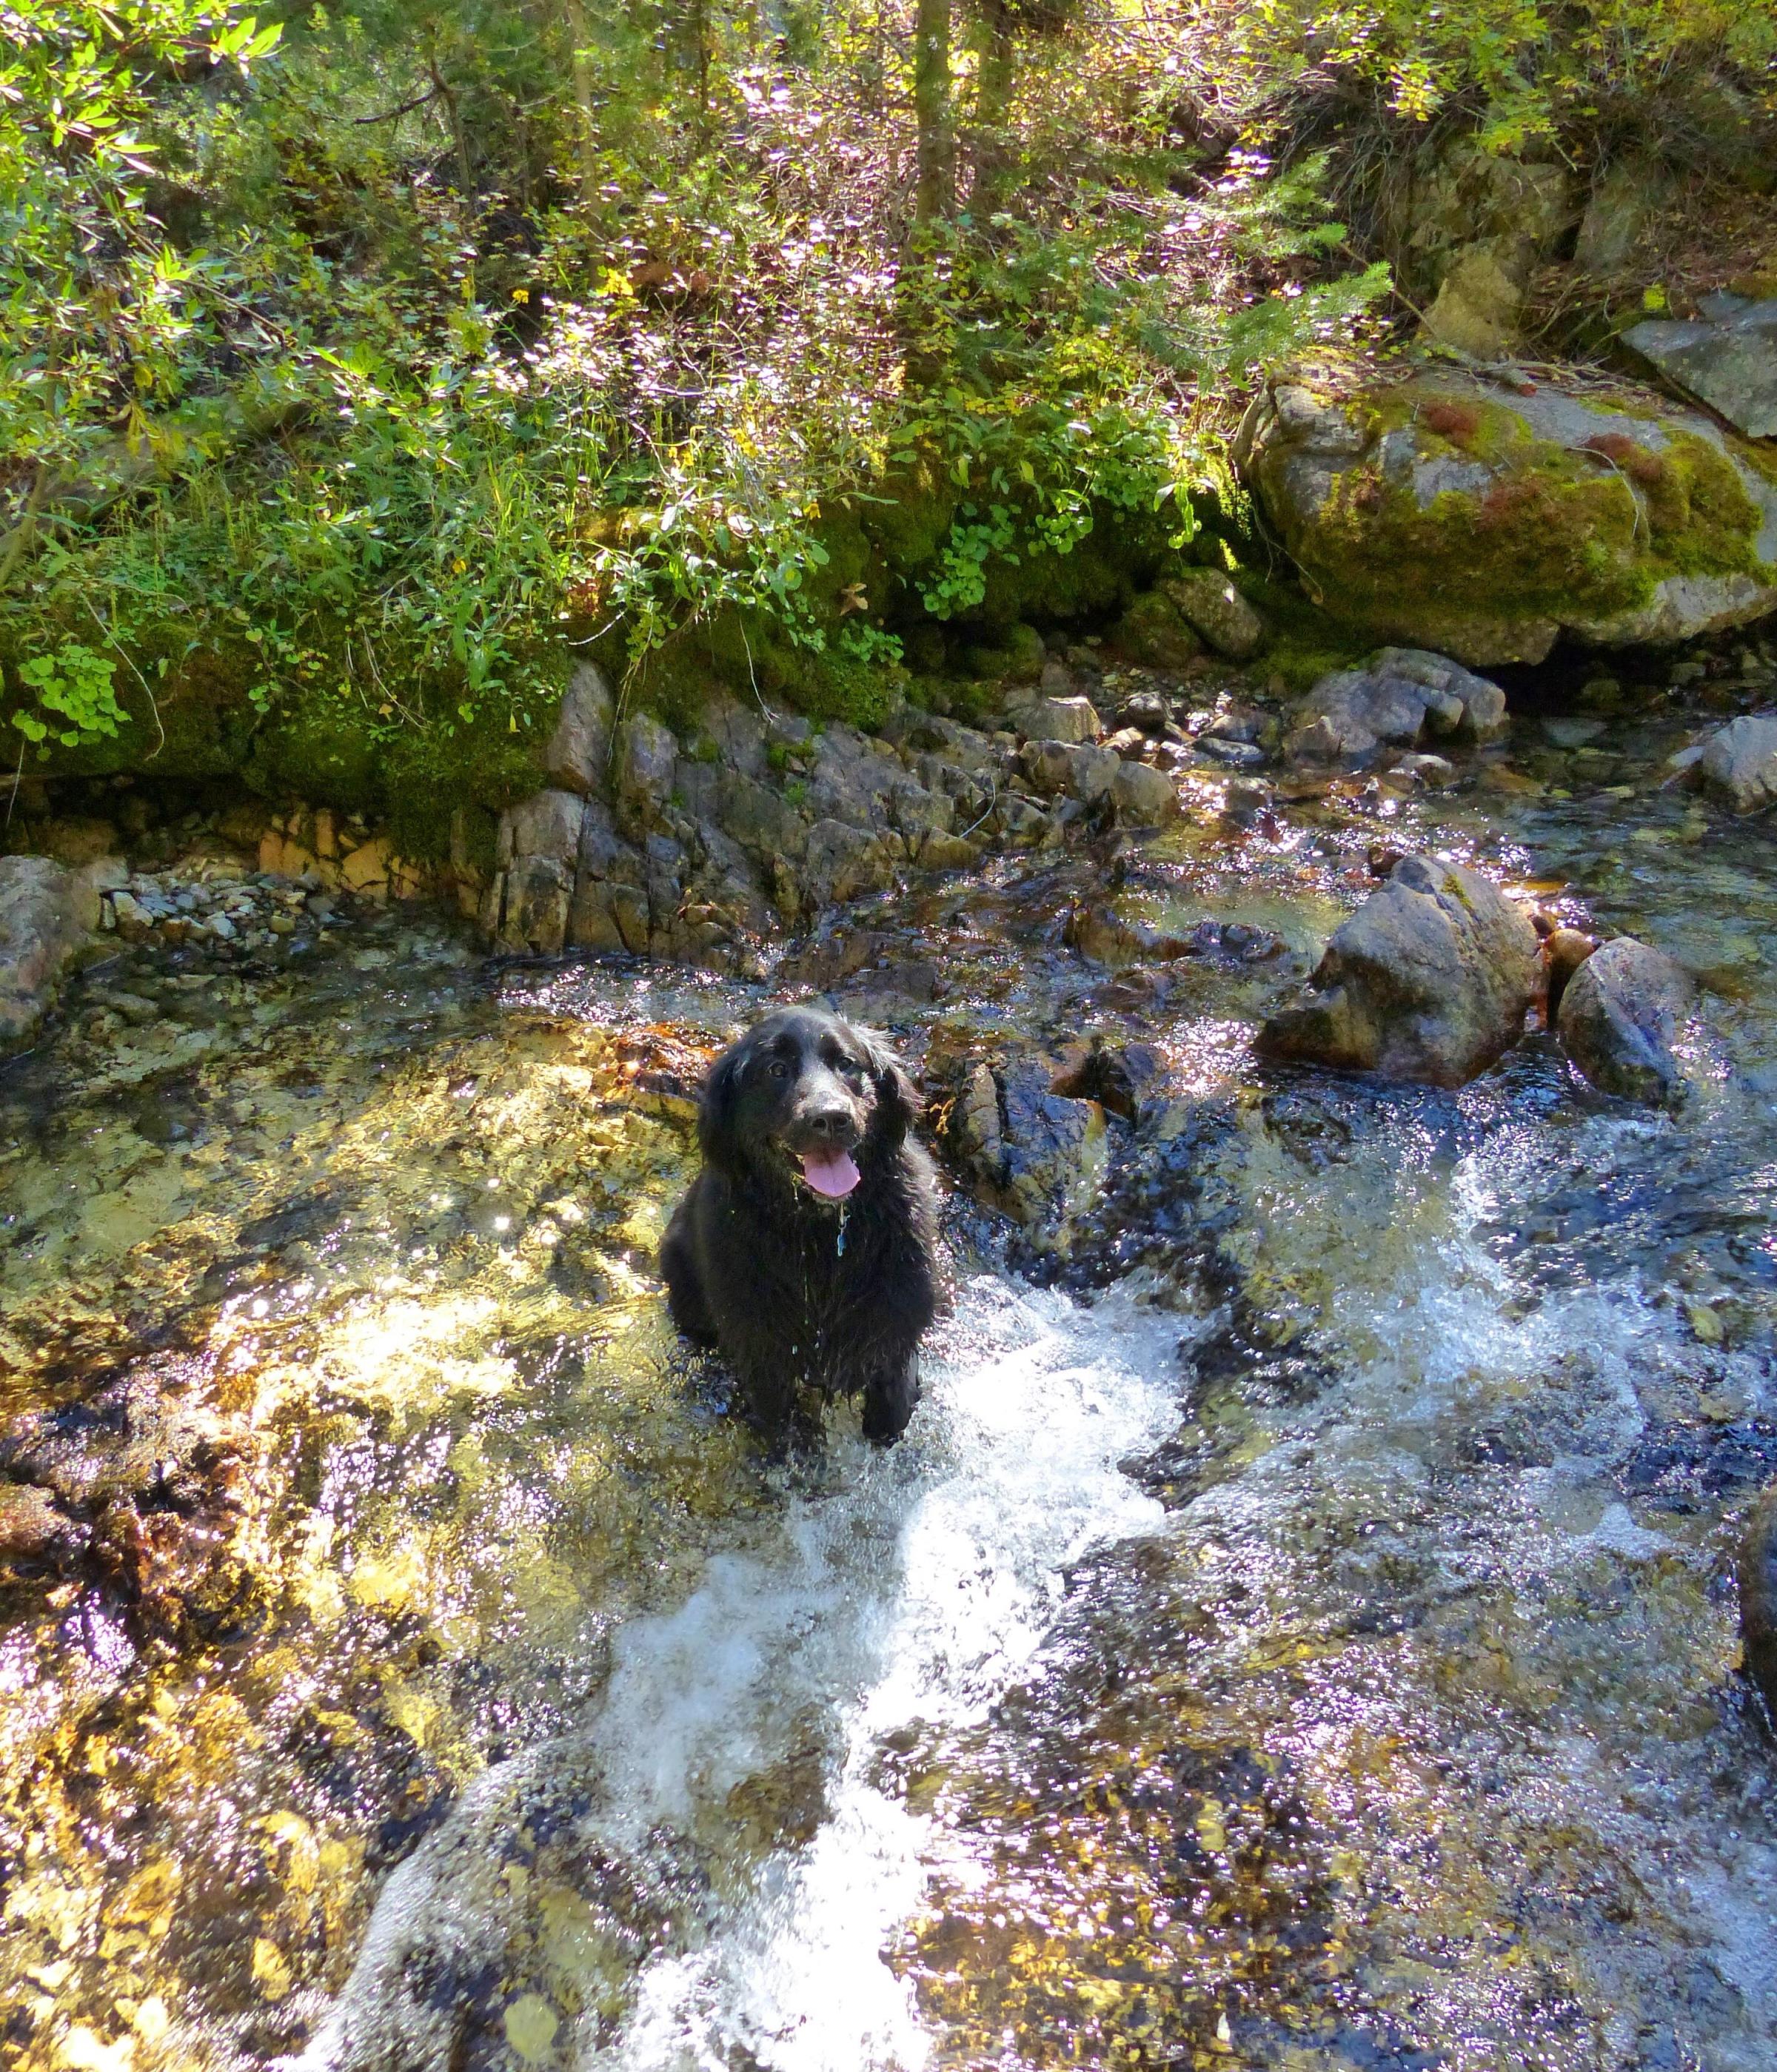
(806, 1250)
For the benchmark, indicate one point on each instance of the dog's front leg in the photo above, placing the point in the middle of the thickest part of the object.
(890, 1395)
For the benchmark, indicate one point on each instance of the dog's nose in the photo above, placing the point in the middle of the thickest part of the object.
(831, 1123)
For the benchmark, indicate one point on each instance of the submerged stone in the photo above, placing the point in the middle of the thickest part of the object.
(1758, 1570)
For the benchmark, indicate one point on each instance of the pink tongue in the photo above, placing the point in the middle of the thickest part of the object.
(833, 1177)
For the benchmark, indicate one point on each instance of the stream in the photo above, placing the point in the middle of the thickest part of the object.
(1298, 1631)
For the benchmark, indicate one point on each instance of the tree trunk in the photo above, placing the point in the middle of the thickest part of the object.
(574, 14)
(995, 76)
(934, 190)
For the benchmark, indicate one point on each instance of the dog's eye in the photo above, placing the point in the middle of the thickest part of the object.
(780, 1069)
(851, 1068)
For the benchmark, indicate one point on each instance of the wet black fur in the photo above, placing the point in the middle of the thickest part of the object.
(752, 1258)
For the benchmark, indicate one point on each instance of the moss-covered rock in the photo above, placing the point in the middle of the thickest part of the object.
(1451, 514)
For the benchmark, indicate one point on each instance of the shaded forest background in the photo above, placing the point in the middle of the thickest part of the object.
(360, 367)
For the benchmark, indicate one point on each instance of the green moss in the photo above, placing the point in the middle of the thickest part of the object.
(1552, 532)
(195, 721)
(907, 516)
(1704, 521)
(322, 751)
(1561, 533)
(428, 777)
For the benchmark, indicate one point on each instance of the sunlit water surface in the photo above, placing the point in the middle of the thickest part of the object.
(1297, 1632)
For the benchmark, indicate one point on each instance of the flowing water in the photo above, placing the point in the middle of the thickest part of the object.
(1297, 1632)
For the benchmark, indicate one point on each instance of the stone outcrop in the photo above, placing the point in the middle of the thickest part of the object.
(698, 845)
(1401, 697)
(334, 853)
(1622, 1016)
(578, 753)
(1429, 980)
(1482, 520)
(47, 912)
(1726, 356)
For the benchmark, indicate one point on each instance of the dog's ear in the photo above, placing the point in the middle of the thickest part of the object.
(717, 1136)
(897, 1098)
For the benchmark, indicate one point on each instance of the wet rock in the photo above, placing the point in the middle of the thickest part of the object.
(1726, 357)
(1210, 604)
(1758, 1577)
(1740, 762)
(1429, 980)
(1232, 754)
(645, 763)
(1457, 516)
(1124, 1078)
(47, 912)
(1418, 771)
(1621, 1017)
(1143, 796)
(578, 753)
(1565, 950)
(1147, 710)
(1402, 697)
(1068, 720)
(1035, 1155)
(1155, 631)
(1100, 933)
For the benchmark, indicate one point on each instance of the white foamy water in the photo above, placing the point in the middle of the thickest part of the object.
(909, 1592)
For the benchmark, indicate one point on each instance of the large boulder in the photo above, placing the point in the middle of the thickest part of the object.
(45, 915)
(1155, 631)
(1622, 1016)
(1402, 697)
(1069, 720)
(1429, 980)
(1452, 514)
(1726, 357)
(1739, 760)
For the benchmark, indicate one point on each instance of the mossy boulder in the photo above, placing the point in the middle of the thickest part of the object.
(1443, 512)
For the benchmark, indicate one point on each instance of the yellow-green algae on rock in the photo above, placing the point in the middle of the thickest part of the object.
(1483, 519)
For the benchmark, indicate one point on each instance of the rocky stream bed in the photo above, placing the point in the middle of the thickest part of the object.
(1298, 1631)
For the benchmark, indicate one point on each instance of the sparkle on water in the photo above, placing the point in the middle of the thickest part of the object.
(1313, 1648)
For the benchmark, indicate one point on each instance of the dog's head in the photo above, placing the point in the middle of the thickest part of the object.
(806, 1099)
